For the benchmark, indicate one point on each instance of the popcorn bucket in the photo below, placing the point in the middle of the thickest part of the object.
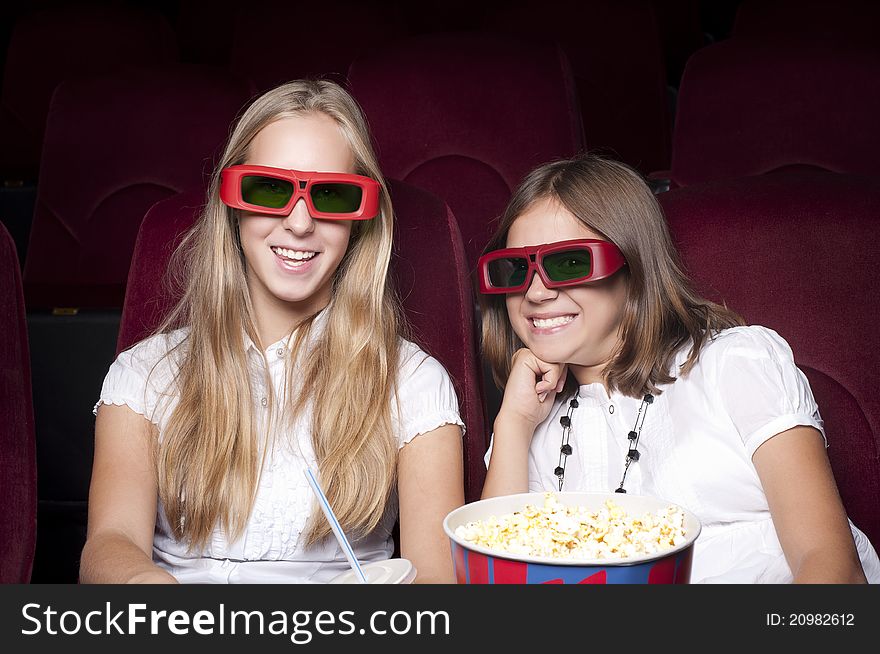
(475, 564)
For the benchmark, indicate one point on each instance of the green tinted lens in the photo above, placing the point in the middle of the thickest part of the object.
(269, 192)
(568, 265)
(336, 198)
(509, 272)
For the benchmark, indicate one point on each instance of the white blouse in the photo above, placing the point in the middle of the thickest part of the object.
(696, 448)
(271, 549)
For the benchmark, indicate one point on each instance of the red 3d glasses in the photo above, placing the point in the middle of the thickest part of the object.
(561, 264)
(275, 191)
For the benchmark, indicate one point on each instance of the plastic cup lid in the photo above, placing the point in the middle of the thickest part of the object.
(390, 571)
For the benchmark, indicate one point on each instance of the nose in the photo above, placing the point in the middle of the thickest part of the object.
(299, 220)
(537, 292)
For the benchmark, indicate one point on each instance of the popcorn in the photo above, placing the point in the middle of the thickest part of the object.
(573, 532)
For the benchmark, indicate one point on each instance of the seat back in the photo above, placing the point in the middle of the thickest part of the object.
(748, 107)
(115, 145)
(797, 252)
(85, 40)
(466, 116)
(18, 475)
(428, 267)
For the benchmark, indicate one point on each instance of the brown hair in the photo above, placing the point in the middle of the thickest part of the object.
(662, 311)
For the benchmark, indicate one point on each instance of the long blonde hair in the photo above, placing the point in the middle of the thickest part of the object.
(662, 311)
(211, 455)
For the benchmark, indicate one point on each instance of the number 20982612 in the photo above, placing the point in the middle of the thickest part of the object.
(810, 620)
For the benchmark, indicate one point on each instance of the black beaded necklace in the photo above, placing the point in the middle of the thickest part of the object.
(632, 455)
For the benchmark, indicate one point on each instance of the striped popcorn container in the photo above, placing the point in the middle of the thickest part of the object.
(476, 564)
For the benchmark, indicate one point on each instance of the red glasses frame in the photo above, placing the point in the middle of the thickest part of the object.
(606, 259)
(230, 191)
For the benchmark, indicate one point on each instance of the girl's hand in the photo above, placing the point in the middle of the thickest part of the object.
(531, 388)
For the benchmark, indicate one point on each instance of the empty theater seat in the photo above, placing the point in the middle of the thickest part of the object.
(50, 45)
(616, 56)
(748, 107)
(45, 48)
(797, 252)
(438, 306)
(116, 145)
(465, 116)
(18, 484)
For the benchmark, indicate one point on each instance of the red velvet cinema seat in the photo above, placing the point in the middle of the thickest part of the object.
(50, 45)
(428, 267)
(616, 55)
(465, 116)
(45, 48)
(115, 145)
(797, 252)
(18, 483)
(748, 107)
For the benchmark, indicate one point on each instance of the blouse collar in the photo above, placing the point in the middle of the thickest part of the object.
(317, 327)
(593, 394)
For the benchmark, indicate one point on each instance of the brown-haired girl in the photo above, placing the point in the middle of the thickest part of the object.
(618, 377)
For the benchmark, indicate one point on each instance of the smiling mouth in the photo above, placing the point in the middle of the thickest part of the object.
(294, 256)
(547, 323)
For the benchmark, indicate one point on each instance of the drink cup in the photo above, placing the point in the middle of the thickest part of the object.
(389, 571)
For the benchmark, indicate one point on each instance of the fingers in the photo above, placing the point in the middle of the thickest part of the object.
(563, 375)
(552, 380)
(552, 375)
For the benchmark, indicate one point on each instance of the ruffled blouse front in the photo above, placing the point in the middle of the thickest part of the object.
(272, 547)
(696, 447)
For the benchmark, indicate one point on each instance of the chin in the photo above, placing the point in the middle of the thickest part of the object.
(551, 354)
(295, 290)
(294, 296)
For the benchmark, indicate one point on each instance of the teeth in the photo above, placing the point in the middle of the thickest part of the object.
(296, 255)
(552, 322)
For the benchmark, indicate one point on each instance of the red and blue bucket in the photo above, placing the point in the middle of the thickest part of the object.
(479, 565)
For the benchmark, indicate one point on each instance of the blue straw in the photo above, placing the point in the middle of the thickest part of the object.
(334, 525)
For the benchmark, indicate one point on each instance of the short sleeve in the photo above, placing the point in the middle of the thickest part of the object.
(760, 386)
(426, 398)
(139, 378)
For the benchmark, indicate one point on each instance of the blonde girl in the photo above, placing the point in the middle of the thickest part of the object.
(286, 351)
